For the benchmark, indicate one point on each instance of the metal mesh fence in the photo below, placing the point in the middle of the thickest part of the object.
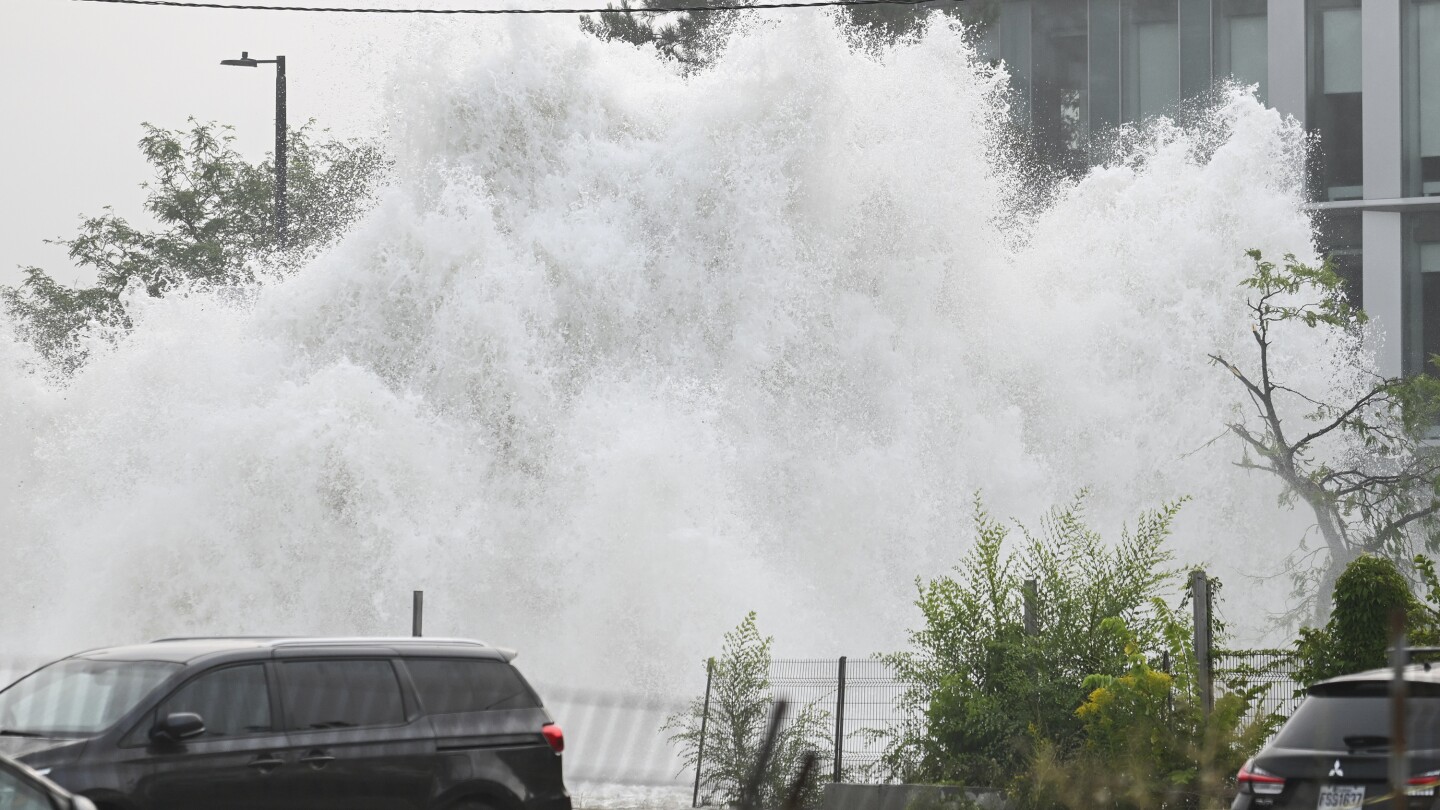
(866, 710)
(813, 684)
(872, 712)
(1271, 672)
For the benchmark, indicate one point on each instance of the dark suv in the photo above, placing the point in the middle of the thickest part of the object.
(1334, 751)
(321, 724)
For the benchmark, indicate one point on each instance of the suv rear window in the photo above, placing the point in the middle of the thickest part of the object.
(1323, 722)
(447, 686)
(340, 694)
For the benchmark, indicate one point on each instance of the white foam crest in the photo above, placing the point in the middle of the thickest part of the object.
(623, 355)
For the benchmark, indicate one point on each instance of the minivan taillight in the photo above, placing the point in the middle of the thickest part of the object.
(1258, 780)
(554, 736)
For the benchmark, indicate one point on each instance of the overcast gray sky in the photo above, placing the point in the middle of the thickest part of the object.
(79, 78)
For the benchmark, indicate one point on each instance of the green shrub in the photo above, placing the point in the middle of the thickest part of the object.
(739, 714)
(1147, 741)
(1075, 714)
(981, 692)
(1358, 633)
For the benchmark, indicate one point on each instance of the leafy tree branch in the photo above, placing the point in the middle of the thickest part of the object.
(1379, 492)
(214, 215)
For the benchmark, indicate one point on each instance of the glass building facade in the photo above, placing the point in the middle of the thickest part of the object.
(1363, 77)
(1336, 98)
(1422, 281)
(1422, 98)
(1242, 50)
(1081, 67)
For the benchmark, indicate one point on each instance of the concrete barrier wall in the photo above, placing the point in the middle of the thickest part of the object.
(839, 796)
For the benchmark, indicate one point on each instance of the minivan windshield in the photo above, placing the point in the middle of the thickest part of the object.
(78, 697)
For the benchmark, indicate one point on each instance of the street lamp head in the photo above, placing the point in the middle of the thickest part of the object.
(243, 61)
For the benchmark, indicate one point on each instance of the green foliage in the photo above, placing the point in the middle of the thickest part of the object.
(1075, 714)
(982, 691)
(1358, 633)
(1360, 464)
(694, 39)
(738, 717)
(1147, 740)
(889, 23)
(1331, 307)
(215, 216)
(1430, 583)
(1369, 590)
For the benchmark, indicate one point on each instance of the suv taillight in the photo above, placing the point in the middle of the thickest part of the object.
(1424, 784)
(1258, 780)
(554, 736)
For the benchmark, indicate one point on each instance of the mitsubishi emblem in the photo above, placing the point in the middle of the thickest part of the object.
(1337, 770)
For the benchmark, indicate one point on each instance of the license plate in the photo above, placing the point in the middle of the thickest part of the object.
(1341, 797)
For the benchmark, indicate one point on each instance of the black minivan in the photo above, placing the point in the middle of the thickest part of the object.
(289, 723)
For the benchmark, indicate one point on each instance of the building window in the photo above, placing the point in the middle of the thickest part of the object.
(1242, 49)
(1104, 42)
(1151, 45)
(1421, 256)
(1422, 98)
(1059, 108)
(1335, 108)
(1339, 239)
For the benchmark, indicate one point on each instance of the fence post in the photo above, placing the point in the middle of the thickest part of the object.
(1398, 659)
(1200, 600)
(840, 721)
(704, 720)
(1031, 620)
(417, 613)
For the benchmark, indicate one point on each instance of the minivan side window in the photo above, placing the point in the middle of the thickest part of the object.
(232, 701)
(340, 694)
(452, 685)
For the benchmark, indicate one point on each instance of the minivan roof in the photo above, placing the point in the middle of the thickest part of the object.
(1414, 673)
(187, 649)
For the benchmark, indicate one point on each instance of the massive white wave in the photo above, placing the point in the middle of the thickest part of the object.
(623, 354)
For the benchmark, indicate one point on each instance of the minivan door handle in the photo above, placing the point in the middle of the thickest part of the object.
(317, 759)
(266, 763)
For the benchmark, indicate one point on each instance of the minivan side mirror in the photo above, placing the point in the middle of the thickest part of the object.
(178, 726)
(81, 803)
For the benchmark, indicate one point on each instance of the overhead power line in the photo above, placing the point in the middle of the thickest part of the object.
(622, 10)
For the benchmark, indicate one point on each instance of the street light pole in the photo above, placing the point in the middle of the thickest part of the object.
(281, 216)
(281, 164)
